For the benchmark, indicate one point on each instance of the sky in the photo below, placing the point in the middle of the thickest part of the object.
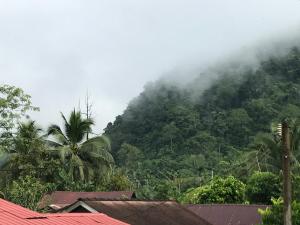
(57, 51)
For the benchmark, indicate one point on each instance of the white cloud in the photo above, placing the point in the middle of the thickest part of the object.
(56, 50)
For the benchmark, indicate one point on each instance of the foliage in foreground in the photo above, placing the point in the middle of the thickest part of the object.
(31, 168)
(274, 214)
(27, 191)
(14, 105)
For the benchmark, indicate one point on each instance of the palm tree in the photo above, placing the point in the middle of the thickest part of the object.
(295, 143)
(267, 149)
(82, 158)
(27, 151)
(26, 144)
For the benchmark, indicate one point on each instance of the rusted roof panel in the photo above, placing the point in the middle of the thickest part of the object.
(228, 214)
(146, 212)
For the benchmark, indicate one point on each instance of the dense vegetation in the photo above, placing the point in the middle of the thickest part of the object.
(34, 162)
(274, 215)
(172, 134)
(172, 142)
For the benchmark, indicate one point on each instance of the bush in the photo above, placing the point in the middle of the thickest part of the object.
(262, 186)
(274, 215)
(27, 191)
(219, 190)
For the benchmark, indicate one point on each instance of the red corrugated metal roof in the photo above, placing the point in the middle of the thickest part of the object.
(20, 211)
(12, 214)
(82, 218)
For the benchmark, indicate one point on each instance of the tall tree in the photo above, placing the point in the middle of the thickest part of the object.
(14, 104)
(28, 154)
(82, 158)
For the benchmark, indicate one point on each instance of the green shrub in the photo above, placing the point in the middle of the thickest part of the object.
(262, 186)
(274, 215)
(219, 190)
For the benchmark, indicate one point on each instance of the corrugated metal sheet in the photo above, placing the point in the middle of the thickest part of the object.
(228, 214)
(63, 198)
(145, 212)
(12, 214)
(87, 218)
(17, 210)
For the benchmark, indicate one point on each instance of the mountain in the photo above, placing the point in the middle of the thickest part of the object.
(171, 132)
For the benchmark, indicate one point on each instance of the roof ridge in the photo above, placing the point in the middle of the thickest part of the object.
(227, 204)
(123, 200)
(91, 192)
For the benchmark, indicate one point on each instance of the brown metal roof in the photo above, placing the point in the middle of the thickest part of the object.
(228, 214)
(146, 212)
(60, 199)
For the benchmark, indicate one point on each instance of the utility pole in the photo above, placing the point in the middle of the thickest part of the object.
(88, 112)
(287, 187)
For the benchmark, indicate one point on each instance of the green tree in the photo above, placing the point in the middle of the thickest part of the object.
(274, 215)
(129, 155)
(220, 121)
(14, 104)
(116, 180)
(28, 155)
(296, 187)
(27, 191)
(262, 187)
(83, 159)
(218, 190)
(268, 148)
(238, 122)
(65, 182)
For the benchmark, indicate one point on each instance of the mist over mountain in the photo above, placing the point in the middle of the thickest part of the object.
(199, 76)
(210, 123)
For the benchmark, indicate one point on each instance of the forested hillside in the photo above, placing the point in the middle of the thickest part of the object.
(168, 134)
(184, 142)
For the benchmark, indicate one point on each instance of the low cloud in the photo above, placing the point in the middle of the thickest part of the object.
(57, 50)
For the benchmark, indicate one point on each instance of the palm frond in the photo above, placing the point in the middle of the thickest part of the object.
(58, 134)
(52, 144)
(77, 127)
(64, 153)
(105, 157)
(97, 148)
(89, 169)
(101, 141)
(5, 158)
(78, 163)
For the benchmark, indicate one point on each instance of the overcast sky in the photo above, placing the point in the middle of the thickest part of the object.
(56, 50)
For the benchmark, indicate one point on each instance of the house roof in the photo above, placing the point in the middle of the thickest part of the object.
(140, 212)
(228, 214)
(12, 214)
(19, 211)
(60, 199)
(83, 219)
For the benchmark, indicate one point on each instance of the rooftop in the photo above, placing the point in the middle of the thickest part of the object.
(228, 214)
(137, 212)
(12, 214)
(60, 199)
